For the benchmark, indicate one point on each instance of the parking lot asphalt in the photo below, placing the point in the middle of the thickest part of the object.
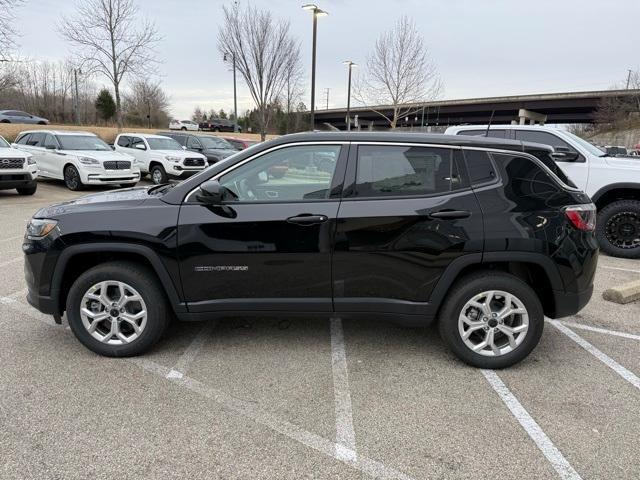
(312, 398)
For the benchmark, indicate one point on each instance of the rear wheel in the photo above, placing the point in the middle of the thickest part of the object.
(491, 320)
(28, 190)
(72, 178)
(618, 229)
(117, 309)
(158, 174)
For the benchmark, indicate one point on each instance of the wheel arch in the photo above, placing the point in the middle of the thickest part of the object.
(614, 192)
(529, 267)
(77, 259)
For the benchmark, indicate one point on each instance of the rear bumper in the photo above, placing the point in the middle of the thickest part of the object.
(567, 304)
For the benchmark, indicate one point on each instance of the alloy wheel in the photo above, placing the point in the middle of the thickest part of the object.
(623, 230)
(113, 312)
(493, 323)
(156, 176)
(71, 178)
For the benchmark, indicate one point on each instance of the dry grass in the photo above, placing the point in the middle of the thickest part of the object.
(108, 134)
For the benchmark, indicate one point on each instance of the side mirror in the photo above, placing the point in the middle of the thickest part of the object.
(211, 193)
(140, 146)
(183, 147)
(564, 154)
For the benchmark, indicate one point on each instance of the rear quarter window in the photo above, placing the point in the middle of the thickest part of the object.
(480, 168)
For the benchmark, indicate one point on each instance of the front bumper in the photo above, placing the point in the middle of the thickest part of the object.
(16, 179)
(178, 171)
(118, 176)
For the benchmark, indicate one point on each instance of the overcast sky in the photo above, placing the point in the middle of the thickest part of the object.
(481, 47)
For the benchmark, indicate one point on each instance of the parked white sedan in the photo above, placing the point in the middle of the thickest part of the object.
(183, 125)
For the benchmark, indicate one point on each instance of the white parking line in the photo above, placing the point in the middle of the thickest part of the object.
(619, 268)
(185, 360)
(10, 262)
(608, 361)
(600, 330)
(363, 464)
(544, 443)
(345, 434)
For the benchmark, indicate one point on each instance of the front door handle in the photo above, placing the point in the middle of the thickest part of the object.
(307, 219)
(451, 214)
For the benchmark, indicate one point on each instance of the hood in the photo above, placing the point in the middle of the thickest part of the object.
(13, 153)
(221, 152)
(96, 201)
(630, 162)
(178, 153)
(98, 154)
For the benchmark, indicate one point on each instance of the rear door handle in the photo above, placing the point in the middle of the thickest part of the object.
(307, 219)
(451, 214)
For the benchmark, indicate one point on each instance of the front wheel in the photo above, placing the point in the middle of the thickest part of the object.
(117, 309)
(72, 178)
(618, 229)
(158, 175)
(28, 190)
(491, 320)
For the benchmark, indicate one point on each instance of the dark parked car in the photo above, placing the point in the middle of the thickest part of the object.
(212, 147)
(476, 233)
(240, 143)
(16, 116)
(218, 125)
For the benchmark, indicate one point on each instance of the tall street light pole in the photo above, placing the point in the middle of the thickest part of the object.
(316, 12)
(235, 96)
(350, 65)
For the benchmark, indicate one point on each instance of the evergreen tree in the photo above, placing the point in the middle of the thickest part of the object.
(105, 104)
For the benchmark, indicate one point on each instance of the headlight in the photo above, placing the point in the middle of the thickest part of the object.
(172, 158)
(31, 161)
(39, 228)
(88, 161)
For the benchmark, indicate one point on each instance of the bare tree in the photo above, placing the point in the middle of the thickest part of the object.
(293, 90)
(8, 31)
(146, 104)
(398, 73)
(112, 41)
(263, 49)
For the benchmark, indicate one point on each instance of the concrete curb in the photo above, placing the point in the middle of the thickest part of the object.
(626, 293)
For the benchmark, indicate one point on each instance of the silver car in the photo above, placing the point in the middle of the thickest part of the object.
(16, 116)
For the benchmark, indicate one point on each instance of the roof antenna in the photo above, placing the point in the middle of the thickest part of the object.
(486, 134)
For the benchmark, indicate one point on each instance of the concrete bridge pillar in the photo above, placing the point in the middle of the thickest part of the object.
(533, 117)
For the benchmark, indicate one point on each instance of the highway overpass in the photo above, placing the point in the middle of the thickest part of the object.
(570, 107)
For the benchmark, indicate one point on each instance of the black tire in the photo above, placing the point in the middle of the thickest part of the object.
(28, 190)
(128, 185)
(158, 175)
(42, 123)
(72, 178)
(146, 284)
(5, 121)
(216, 130)
(468, 287)
(184, 129)
(618, 229)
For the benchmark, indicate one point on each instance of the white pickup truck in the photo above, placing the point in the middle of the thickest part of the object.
(17, 170)
(162, 157)
(612, 182)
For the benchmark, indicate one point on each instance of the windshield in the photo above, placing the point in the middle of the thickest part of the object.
(82, 142)
(591, 148)
(215, 142)
(163, 144)
(3, 143)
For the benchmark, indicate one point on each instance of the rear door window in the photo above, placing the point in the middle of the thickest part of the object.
(390, 170)
(480, 168)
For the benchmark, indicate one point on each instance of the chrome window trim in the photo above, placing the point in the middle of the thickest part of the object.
(259, 154)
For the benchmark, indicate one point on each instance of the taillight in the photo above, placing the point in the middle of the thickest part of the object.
(583, 217)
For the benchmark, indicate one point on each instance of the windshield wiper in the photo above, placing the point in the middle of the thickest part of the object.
(158, 189)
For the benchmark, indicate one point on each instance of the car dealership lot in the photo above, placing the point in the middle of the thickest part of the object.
(312, 398)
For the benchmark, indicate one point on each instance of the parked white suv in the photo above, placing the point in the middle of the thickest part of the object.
(613, 183)
(183, 125)
(18, 170)
(78, 158)
(160, 156)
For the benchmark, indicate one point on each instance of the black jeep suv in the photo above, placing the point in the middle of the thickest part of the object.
(480, 234)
